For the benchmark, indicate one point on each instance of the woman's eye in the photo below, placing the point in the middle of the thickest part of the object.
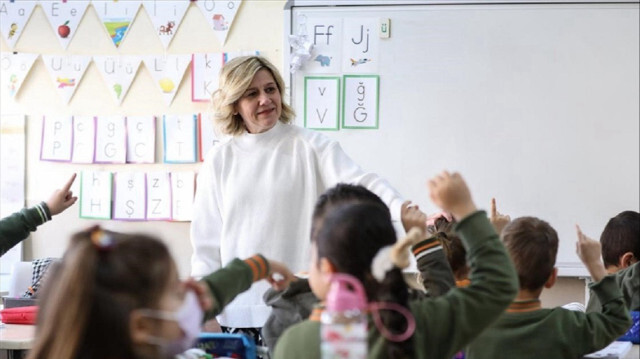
(270, 90)
(250, 94)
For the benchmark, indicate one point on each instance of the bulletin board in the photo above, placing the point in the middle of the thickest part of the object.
(535, 104)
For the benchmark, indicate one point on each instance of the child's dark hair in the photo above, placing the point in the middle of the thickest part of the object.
(621, 235)
(452, 245)
(87, 301)
(340, 194)
(350, 237)
(533, 245)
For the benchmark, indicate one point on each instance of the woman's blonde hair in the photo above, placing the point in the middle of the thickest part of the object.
(235, 78)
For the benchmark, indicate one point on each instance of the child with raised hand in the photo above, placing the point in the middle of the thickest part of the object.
(526, 329)
(16, 227)
(116, 295)
(347, 242)
(620, 242)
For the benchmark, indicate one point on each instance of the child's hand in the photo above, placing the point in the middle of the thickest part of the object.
(400, 250)
(62, 199)
(205, 298)
(589, 251)
(280, 276)
(450, 192)
(498, 219)
(412, 216)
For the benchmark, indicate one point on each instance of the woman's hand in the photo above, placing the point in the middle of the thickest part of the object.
(412, 216)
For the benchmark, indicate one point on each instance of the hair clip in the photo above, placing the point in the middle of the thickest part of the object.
(394, 256)
(101, 239)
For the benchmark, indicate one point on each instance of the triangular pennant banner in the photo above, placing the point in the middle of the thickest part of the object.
(13, 17)
(167, 71)
(66, 72)
(15, 67)
(118, 72)
(220, 15)
(166, 17)
(116, 16)
(64, 17)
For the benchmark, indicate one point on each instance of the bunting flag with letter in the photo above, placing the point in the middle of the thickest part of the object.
(205, 69)
(116, 16)
(66, 72)
(118, 72)
(167, 71)
(220, 15)
(13, 18)
(15, 67)
(166, 17)
(64, 17)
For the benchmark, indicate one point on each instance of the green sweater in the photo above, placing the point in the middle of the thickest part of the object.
(16, 227)
(234, 278)
(628, 280)
(527, 331)
(444, 324)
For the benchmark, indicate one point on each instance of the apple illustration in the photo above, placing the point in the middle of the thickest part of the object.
(64, 30)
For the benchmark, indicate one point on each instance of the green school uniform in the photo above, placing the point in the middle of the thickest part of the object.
(527, 331)
(444, 324)
(628, 280)
(16, 227)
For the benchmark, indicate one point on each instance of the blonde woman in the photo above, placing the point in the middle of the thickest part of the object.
(256, 192)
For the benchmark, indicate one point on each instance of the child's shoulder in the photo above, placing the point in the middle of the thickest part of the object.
(301, 340)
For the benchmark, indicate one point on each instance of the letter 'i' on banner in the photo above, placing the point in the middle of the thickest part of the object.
(167, 71)
(95, 194)
(64, 17)
(130, 196)
(118, 72)
(66, 72)
(220, 15)
(14, 67)
(166, 17)
(116, 17)
(13, 18)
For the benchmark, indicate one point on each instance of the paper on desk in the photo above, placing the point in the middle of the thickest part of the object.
(614, 350)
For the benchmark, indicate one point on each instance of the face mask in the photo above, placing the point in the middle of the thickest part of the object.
(189, 318)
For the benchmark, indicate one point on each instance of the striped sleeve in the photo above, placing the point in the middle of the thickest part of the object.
(425, 247)
(259, 267)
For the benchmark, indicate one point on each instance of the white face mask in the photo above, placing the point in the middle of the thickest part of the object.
(189, 318)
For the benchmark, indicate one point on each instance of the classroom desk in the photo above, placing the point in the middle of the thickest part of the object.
(16, 339)
(634, 353)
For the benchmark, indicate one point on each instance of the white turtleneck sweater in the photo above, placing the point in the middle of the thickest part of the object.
(256, 194)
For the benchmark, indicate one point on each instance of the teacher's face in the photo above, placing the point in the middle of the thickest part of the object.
(261, 105)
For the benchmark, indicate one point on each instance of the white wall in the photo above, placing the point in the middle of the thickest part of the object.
(257, 26)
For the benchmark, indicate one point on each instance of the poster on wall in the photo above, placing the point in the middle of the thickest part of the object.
(182, 191)
(360, 44)
(66, 72)
(116, 16)
(129, 196)
(179, 138)
(360, 99)
(64, 17)
(84, 139)
(95, 194)
(220, 15)
(118, 72)
(322, 102)
(13, 18)
(141, 139)
(166, 17)
(15, 67)
(167, 72)
(57, 138)
(111, 140)
(158, 196)
(326, 36)
(205, 68)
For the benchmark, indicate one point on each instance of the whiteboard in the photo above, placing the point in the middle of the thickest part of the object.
(534, 104)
